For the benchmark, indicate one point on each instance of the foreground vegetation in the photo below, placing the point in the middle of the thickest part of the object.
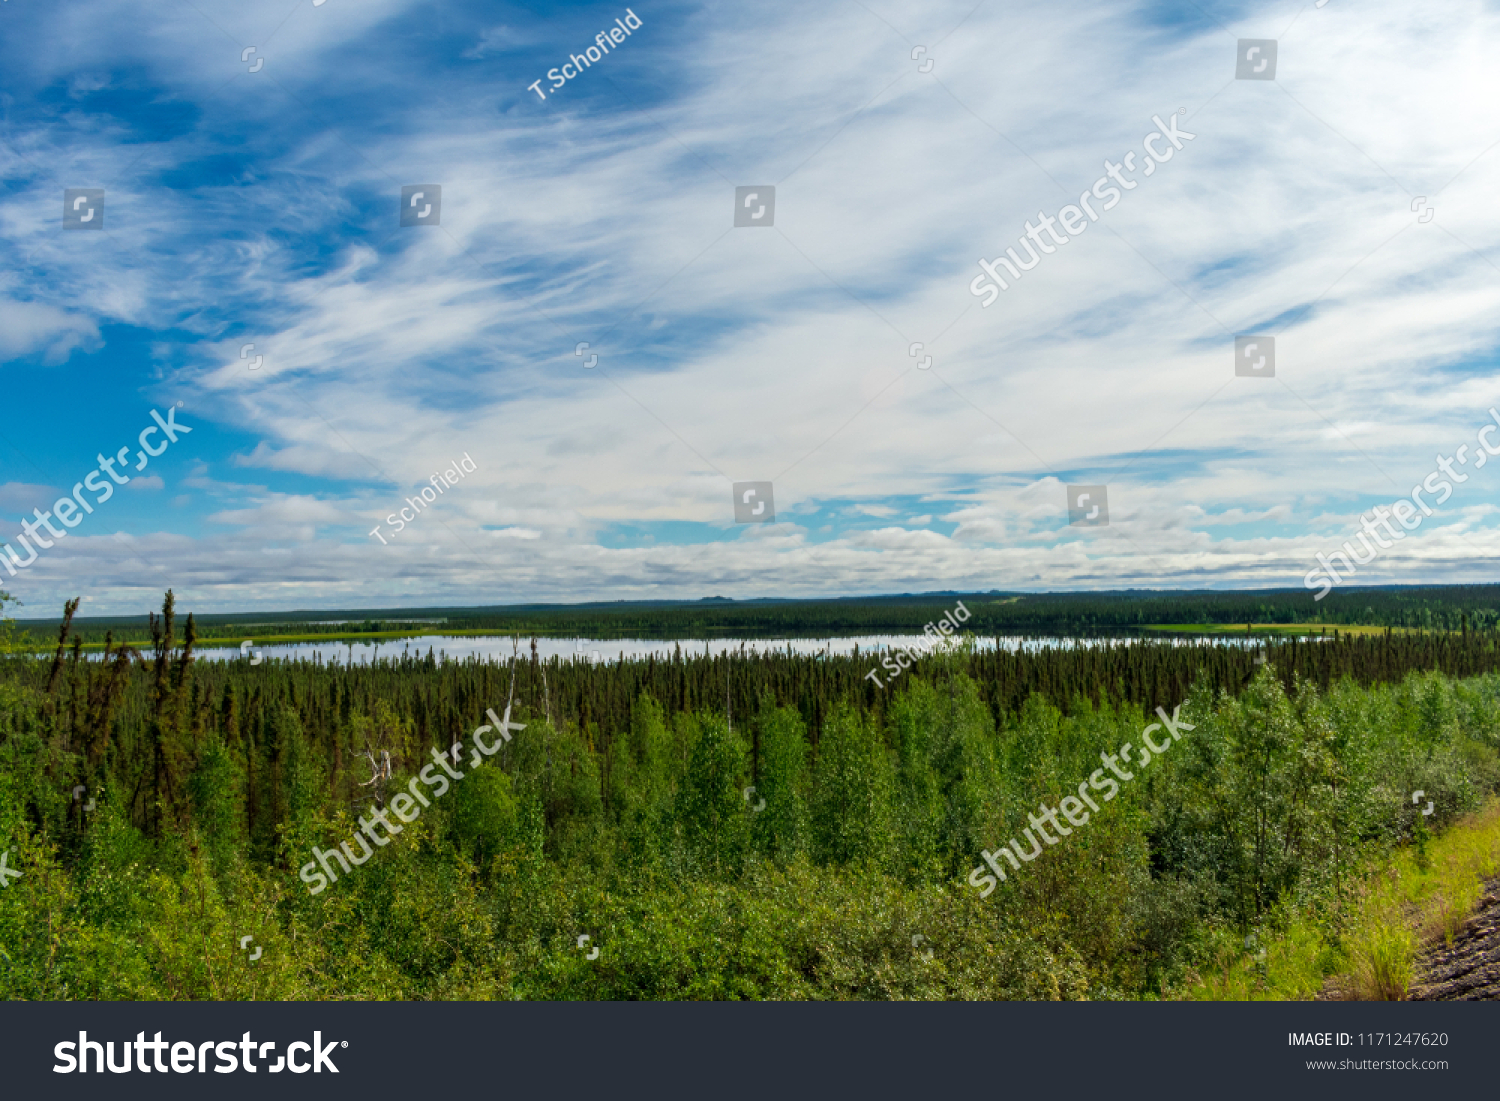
(1424, 894)
(620, 813)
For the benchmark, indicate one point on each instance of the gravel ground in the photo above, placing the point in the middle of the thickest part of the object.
(1470, 970)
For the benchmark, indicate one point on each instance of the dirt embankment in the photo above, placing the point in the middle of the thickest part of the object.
(1467, 971)
(1470, 970)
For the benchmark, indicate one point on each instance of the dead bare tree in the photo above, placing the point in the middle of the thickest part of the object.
(377, 754)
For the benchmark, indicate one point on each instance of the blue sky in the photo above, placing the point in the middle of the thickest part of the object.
(262, 207)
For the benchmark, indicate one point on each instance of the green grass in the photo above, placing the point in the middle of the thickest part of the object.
(1413, 901)
(1275, 628)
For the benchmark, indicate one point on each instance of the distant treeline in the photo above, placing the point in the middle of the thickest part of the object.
(1436, 608)
(438, 697)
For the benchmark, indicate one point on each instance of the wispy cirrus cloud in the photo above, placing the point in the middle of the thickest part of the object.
(261, 208)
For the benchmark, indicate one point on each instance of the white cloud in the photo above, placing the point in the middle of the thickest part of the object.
(785, 353)
(23, 496)
(27, 327)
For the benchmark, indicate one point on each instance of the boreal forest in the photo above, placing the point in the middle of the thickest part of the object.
(752, 825)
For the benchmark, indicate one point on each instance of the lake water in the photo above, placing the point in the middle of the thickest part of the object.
(498, 647)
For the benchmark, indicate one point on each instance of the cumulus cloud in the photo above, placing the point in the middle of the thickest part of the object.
(22, 496)
(27, 327)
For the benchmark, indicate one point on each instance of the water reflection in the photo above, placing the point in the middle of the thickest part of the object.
(499, 647)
